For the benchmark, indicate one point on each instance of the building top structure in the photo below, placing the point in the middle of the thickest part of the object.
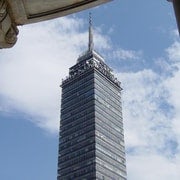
(90, 60)
(19, 12)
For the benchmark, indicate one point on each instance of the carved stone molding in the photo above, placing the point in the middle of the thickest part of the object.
(8, 29)
(19, 12)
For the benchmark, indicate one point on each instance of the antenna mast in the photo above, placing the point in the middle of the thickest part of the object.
(91, 44)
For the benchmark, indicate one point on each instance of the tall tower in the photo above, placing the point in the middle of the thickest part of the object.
(91, 142)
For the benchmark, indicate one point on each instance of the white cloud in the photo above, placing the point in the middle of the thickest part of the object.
(174, 51)
(173, 86)
(123, 54)
(151, 109)
(31, 72)
(152, 167)
(150, 128)
(147, 125)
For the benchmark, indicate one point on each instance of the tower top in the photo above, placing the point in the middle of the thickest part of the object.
(91, 44)
(90, 52)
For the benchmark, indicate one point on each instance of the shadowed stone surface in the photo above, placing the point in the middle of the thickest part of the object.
(20, 12)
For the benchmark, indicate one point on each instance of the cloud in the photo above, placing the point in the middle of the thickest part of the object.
(31, 72)
(145, 115)
(173, 52)
(151, 109)
(173, 86)
(152, 167)
(123, 54)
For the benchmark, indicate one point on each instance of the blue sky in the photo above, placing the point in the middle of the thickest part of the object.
(139, 40)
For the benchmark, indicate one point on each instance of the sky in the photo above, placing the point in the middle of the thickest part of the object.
(140, 41)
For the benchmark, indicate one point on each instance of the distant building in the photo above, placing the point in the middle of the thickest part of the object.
(91, 142)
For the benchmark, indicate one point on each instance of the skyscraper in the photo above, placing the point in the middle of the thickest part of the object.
(91, 142)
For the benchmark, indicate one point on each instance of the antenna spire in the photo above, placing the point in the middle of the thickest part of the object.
(91, 44)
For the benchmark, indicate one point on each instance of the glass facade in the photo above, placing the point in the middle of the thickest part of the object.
(91, 140)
